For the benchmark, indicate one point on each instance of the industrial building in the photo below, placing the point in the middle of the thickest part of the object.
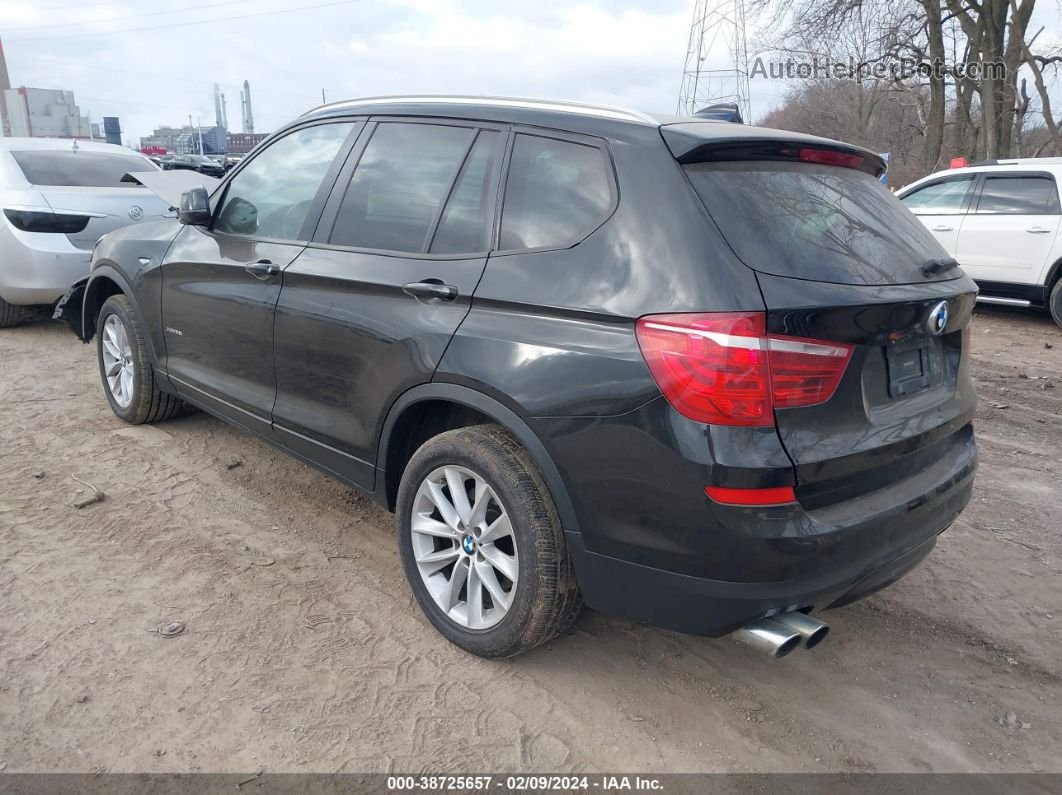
(213, 140)
(45, 113)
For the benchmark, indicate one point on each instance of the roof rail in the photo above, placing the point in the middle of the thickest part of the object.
(562, 106)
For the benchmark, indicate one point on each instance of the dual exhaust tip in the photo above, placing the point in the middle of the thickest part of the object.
(781, 634)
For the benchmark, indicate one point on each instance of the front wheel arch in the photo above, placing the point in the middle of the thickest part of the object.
(495, 412)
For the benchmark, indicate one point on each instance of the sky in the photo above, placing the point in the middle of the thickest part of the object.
(154, 64)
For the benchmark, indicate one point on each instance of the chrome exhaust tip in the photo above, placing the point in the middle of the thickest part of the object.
(769, 636)
(812, 631)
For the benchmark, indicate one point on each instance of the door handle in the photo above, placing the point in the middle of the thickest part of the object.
(1037, 230)
(432, 290)
(942, 228)
(262, 269)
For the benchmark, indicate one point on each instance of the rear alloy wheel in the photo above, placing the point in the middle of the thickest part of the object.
(125, 366)
(482, 545)
(464, 547)
(10, 314)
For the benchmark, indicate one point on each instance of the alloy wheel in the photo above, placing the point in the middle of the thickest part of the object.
(118, 364)
(464, 547)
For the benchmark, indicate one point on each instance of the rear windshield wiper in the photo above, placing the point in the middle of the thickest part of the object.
(934, 266)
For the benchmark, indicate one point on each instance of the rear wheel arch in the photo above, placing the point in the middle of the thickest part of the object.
(410, 422)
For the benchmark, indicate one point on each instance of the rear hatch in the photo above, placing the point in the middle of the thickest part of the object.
(85, 193)
(839, 259)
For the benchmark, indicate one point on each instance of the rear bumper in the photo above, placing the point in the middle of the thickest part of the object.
(838, 555)
(38, 268)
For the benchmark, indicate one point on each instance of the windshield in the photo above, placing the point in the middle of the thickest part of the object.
(79, 169)
(817, 222)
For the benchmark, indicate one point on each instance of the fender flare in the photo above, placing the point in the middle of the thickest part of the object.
(118, 278)
(496, 411)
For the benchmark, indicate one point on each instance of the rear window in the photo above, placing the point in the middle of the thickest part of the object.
(816, 222)
(79, 169)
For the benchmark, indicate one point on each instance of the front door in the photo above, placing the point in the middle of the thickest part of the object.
(368, 309)
(940, 206)
(221, 283)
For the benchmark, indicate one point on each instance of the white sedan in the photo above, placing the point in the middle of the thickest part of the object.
(58, 197)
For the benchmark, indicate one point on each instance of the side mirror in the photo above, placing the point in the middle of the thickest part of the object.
(195, 207)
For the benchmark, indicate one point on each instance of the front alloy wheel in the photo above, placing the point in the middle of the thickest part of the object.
(118, 366)
(464, 547)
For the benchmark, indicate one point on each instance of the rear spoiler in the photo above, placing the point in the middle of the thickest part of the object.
(712, 141)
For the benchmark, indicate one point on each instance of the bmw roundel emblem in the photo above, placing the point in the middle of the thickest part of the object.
(468, 543)
(136, 212)
(938, 319)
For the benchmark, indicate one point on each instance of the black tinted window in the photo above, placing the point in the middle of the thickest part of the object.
(817, 222)
(942, 197)
(1019, 195)
(557, 192)
(79, 169)
(464, 225)
(271, 195)
(400, 183)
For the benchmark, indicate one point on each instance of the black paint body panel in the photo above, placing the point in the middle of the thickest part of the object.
(325, 357)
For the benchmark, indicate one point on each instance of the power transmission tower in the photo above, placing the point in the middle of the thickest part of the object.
(717, 60)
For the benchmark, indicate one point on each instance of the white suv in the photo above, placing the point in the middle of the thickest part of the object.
(1001, 221)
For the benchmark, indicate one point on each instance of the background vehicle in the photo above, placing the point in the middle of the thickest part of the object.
(1000, 220)
(693, 372)
(200, 163)
(58, 197)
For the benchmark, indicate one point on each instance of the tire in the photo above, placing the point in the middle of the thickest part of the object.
(544, 598)
(137, 399)
(10, 315)
(1054, 303)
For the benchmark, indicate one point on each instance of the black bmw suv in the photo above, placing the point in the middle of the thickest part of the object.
(704, 375)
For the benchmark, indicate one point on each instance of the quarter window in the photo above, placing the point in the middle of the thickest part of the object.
(399, 186)
(271, 196)
(557, 192)
(941, 197)
(1026, 195)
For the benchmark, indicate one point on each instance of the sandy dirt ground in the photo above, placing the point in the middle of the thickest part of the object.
(305, 652)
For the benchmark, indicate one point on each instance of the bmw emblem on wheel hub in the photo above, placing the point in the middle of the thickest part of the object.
(468, 544)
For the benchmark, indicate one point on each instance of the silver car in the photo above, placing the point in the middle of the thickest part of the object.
(58, 197)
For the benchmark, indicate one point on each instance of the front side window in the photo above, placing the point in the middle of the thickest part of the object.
(1029, 195)
(942, 197)
(271, 196)
(399, 186)
(557, 193)
(79, 169)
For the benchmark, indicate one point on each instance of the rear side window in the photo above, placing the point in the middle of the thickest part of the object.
(399, 186)
(557, 193)
(816, 222)
(464, 225)
(1025, 195)
(941, 197)
(79, 169)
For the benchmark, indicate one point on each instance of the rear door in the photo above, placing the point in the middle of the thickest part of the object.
(368, 310)
(221, 283)
(941, 205)
(839, 259)
(1011, 229)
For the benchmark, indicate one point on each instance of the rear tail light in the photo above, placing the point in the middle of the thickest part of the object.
(46, 221)
(724, 369)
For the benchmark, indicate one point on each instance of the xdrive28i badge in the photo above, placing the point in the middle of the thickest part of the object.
(938, 319)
